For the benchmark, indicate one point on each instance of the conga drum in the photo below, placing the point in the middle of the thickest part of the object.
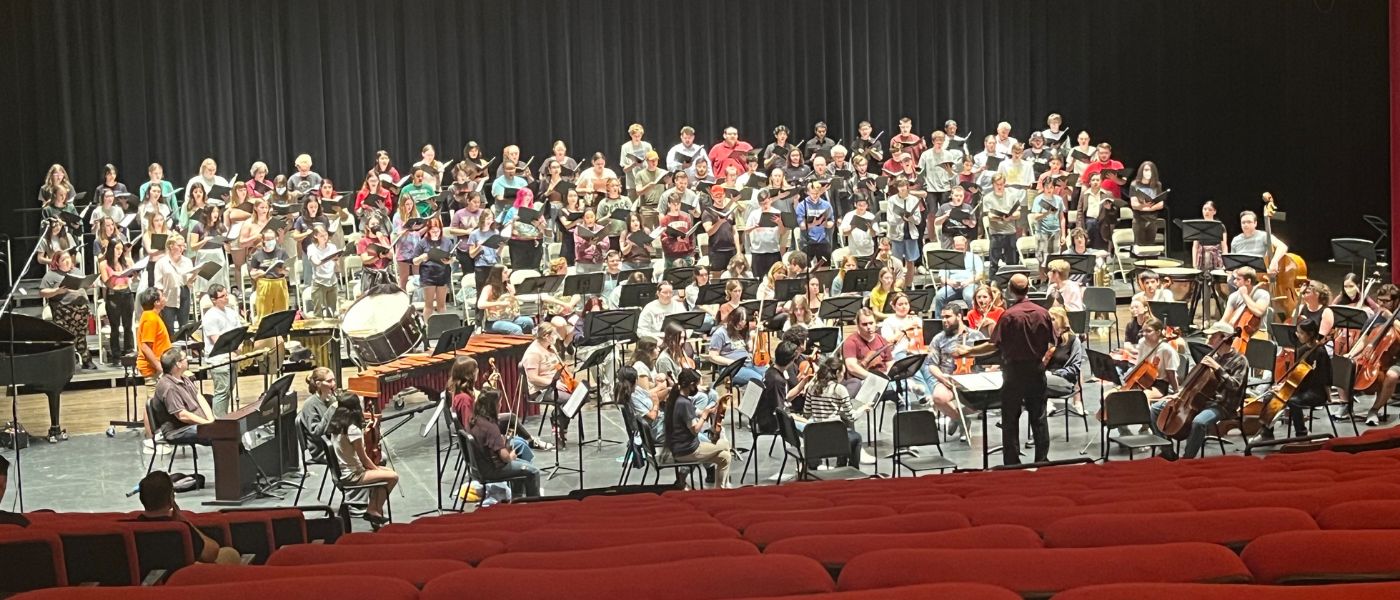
(382, 327)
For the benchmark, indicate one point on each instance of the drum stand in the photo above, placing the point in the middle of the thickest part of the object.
(1201, 294)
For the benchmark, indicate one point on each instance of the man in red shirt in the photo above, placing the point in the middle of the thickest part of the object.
(730, 151)
(1023, 336)
(866, 352)
(1105, 161)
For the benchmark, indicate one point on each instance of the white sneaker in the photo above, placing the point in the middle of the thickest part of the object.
(866, 458)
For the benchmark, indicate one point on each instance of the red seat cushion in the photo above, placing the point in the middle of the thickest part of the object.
(469, 550)
(742, 518)
(1181, 591)
(550, 540)
(835, 550)
(1045, 570)
(621, 556)
(768, 532)
(342, 587)
(415, 572)
(730, 577)
(1324, 556)
(1226, 527)
(928, 591)
(1039, 517)
(434, 535)
(1361, 514)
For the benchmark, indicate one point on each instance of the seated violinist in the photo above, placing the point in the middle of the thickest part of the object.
(1248, 295)
(1230, 370)
(955, 333)
(1159, 377)
(1313, 391)
(866, 352)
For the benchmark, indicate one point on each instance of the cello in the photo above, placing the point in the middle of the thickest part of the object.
(1377, 350)
(1175, 419)
(1286, 286)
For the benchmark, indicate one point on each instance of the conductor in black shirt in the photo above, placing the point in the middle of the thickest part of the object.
(1024, 336)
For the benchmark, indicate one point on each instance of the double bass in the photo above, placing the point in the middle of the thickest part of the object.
(1196, 392)
(1287, 286)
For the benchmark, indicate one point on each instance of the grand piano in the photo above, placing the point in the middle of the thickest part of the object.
(43, 359)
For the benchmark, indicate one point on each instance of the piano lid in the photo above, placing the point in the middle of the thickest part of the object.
(31, 329)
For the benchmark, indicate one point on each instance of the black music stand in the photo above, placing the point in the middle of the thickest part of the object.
(1105, 369)
(920, 301)
(840, 308)
(558, 466)
(589, 284)
(944, 261)
(636, 295)
(228, 344)
(453, 339)
(750, 288)
(859, 280)
(825, 339)
(769, 307)
(1285, 336)
(931, 329)
(1355, 252)
(1346, 317)
(1235, 261)
(539, 286)
(434, 423)
(600, 327)
(680, 277)
(790, 288)
(1079, 264)
(898, 374)
(1005, 273)
(711, 293)
(594, 363)
(690, 321)
(727, 373)
(824, 276)
(1172, 314)
(1208, 233)
(276, 325)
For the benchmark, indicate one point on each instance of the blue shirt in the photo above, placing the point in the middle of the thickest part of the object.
(498, 189)
(728, 348)
(815, 234)
(488, 256)
(1051, 222)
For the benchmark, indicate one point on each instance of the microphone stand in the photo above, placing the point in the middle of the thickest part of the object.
(14, 385)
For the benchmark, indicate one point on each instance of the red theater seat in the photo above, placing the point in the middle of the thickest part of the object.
(768, 532)
(469, 551)
(1312, 501)
(1233, 528)
(436, 534)
(742, 519)
(730, 577)
(343, 587)
(834, 551)
(1183, 591)
(965, 506)
(32, 559)
(161, 544)
(96, 551)
(1361, 514)
(552, 540)
(1324, 556)
(1039, 517)
(621, 556)
(415, 572)
(929, 591)
(1048, 570)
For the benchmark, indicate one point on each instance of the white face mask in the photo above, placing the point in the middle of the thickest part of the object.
(281, 190)
(270, 245)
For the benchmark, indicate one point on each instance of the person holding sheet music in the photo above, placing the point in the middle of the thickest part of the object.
(268, 268)
(67, 301)
(815, 218)
(373, 249)
(1098, 212)
(686, 154)
(55, 238)
(636, 245)
(1048, 217)
(322, 257)
(718, 224)
(1103, 161)
(938, 164)
(57, 189)
(592, 180)
(195, 201)
(164, 194)
(591, 244)
(633, 154)
(419, 194)
(174, 273)
(566, 222)
(481, 251)
(1003, 211)
(106, 208)
(152, 202)
(310, 217)
(568, 167)
(205, 231)
(466, 221)
(767, 236)
(110, 183)
(113, 265)
(373, 195)
(526, 224)
(729, 150)
(1145, 197)
(105, 232)
(432, 168)
(406, 224)
(259, 185)
(858, 228)
(794, 169)
(304, 180)
(207, 178)
(433, 259)
(909, 141)
(1037, 152)
(220, 318)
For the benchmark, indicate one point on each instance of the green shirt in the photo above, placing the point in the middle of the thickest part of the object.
(421, 194)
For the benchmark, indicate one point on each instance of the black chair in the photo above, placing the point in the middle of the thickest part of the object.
(1343, 375)
(1260, 354)
(333, 464)
(753, 447)
(306, 441)
(1122, 409)
(827, 440)
(656, 462)
(917, 428)
(157, 416)
(1077, 392)
(546, 399)
(476, 465)
(1103, 301)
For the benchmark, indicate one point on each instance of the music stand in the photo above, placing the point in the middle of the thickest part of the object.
(859, 280)
(1346, 317)
(690, 320)
(840, 308)
(728, 372)
(1005, 273)
(1171, 313)
(453, 339)
(1235, 261)
(711, 293)
(538, 286)
(824, 276)
(433, 423)
(944, 261)
(647, 272)
(750, 288)
(791, 288)
(770, 308)
(600, 327)
(1079, 264)
(680, 276)
(1285, 336)
(276, 325)
(920, 301)
(1105, 369)
(594, 363)
(636, 295)
(825, 339)
(584, 284)
(931, 329)
(1354, 252)
(228, 343)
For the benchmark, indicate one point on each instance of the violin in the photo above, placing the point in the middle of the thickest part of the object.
(761, 357)
(1196, 392)
(373, 447)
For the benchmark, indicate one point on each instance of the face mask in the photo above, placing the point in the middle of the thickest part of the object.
(270, 245)
(281, 190)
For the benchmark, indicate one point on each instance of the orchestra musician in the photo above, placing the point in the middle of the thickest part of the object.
(1150, 288)
(496, 298)
(320, 406)
(1248, 296)
(1066, 362)
(1208, 257)
(1065, 291)
(943, 364)
(1387, 299)
(865, 353)
(1315, 389)
(1153, 346)
(885, 286)
(905, 331)
(1230, 368)
(987, 308)
(544, 369)
(347, 440)
(1023, 336)
(685, 426)
(730, 342)
(1254, 242)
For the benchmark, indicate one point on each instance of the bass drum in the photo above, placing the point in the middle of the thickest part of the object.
(382, 328)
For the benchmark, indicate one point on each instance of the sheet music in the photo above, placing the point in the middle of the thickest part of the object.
(576, 400)
(749, 401)
(978, 382)
(869, 392)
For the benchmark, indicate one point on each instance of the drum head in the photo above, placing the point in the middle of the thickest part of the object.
(371, 315)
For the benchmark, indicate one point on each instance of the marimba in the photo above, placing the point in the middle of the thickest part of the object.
(430, 373)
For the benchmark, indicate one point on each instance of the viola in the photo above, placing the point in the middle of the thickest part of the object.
(373, 448)
(721, 411)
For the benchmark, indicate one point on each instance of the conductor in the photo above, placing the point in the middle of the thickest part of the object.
(1023, 335)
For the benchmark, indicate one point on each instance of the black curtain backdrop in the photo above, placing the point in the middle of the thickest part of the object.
(1229, 98)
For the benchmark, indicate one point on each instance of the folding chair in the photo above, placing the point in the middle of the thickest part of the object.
(822, 441)
(333, 464)
(476, 466)
(156, 416)
(1100, 301)
(917, 428)
(1123, 408)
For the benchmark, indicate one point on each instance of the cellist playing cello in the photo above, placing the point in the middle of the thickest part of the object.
(1315, 388)
(1230, 369)
(1366, 352)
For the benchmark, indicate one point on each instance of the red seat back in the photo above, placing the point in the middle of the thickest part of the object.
(433, 535)
(97, 551)
(742, 519)
(927, 591)
(1324, 556)
(1179, 591)
(1233, 528)
(621, 556)
(32, 559)
(768, 532)
(551, 540)
(1039, 517)
(415, 572)
(342, 587)
(1361, 514)
(468, 550)
(161, 544)
(835, 550)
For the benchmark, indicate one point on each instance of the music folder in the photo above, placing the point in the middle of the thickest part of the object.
(75, 283)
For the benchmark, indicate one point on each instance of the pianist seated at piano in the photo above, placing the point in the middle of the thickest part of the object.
(347, 439)
(69, 307)
(184, 408)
